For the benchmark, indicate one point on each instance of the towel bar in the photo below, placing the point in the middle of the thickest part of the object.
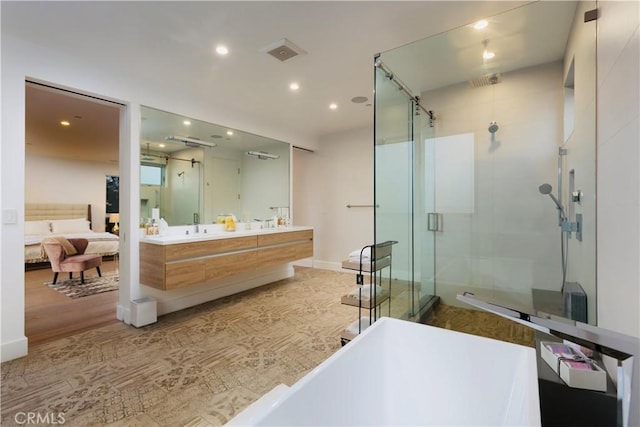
(362, 206)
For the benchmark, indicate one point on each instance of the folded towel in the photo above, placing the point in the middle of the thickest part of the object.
(365, 253)
(363, 323)
(366, 294)
(365, 260)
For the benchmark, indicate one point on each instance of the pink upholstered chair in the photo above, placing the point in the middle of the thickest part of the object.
(79, 262)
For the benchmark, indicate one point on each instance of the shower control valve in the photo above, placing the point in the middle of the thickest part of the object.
(576, 196)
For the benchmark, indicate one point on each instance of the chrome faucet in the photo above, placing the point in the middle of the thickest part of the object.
(196, 221)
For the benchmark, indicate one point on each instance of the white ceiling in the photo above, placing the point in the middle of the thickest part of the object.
(172, 43)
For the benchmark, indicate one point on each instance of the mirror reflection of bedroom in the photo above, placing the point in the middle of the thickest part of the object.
(71, 212)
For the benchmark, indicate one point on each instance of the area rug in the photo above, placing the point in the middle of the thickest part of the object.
(92, 285)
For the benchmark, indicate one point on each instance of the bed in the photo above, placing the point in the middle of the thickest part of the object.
(44, 220)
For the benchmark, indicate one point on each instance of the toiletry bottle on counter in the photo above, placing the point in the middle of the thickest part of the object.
(152, 228)
(230, 223)
(163, 226)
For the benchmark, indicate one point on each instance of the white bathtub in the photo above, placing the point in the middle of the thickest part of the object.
(402, 373)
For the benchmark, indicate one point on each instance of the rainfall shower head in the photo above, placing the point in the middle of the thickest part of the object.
(546, 189)
(493, 127)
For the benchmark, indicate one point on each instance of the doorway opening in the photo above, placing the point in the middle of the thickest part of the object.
(71, 144)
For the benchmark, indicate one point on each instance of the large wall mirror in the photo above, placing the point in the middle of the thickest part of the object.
(192, 171)
(520, 88)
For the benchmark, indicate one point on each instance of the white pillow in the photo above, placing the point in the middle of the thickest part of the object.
(62, 226)
(36, 228)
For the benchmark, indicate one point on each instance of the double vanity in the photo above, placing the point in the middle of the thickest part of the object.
(180, 260)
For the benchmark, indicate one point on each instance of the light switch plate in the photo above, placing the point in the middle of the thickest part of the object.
(10, 216)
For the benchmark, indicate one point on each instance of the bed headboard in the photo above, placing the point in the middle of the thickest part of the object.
(40, 211)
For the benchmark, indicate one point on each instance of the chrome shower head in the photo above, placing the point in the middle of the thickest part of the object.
(493, 127)
(546, 189)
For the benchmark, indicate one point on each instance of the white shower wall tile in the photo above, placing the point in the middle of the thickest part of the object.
(482, 272)
(454, 243)
(482, 219)
(482, 244)
(452, 270)
(514, 111)
(534, 246)
(617, 22)
(512, 274)
(618, 257)
(621, 89)
(619, 158)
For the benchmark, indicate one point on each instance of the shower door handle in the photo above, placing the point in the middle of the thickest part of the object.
(434, 222)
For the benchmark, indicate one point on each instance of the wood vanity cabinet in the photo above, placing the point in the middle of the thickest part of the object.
(173, 266)
(279, 248)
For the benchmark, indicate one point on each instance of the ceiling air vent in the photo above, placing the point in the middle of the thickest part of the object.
(487, 80)
(283, 50)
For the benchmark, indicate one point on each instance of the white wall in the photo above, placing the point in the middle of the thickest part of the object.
(618, 164)
(511, 241)
(53, 180)
(339, 173)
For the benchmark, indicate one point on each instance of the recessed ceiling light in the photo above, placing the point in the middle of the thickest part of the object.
(221, 50)
(294, 86)
(65, 123)
(161, 145)
(229, 132)
(186, 123)
(480, 24)
(488, 55)
(333, 106)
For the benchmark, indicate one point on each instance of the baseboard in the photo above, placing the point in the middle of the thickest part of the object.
(330, 265)
(14, 349)
(123, 314)
(307, 262)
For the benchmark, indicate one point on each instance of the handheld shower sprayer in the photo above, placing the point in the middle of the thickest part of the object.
(547, 190)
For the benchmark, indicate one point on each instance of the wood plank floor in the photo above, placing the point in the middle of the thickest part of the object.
(50, 315)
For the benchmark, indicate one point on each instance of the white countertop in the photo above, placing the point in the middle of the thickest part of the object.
(179, 236)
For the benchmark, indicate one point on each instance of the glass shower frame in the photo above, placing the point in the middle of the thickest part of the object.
(404, 194)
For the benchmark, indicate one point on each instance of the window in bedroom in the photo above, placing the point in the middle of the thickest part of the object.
(113, 194)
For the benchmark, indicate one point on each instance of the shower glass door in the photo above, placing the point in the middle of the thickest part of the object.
(403, 199)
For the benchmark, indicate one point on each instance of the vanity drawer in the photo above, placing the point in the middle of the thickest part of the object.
(284, 237)
(184, 273)
(208, 247)
(283, 254)
(228, 265)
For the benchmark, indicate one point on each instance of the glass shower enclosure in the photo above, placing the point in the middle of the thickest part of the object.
(467, 146)
(404, 193)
